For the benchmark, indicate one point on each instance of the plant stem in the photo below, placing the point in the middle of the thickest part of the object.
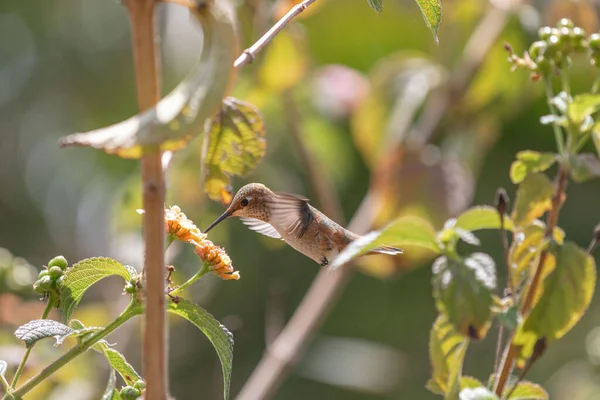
(564, 79)
(132, 310)
(154, 360)
(203, 271)
(558, 137)
(26, 355)
(596, 85)
(5, 384)
(512, 351)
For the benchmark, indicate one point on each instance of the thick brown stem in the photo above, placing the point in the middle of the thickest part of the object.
(141, 14)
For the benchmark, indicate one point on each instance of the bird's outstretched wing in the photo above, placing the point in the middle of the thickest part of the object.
(291, 213)
(261, 227)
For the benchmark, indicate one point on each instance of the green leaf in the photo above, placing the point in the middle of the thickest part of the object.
(111, 392)
(181, 115)
(470, 382)
(584, 167)
(236, 144)
(528, 391)
(376, 5)
(567, 292)
(447, 350)
(432, 12)
(118, 362)
(79, 277)
(582, 106)
(404, 231)
(529, 162)
(219, 336)
(480, 393)
(534, 198)
(39, 329)
(482, 217)
(463, 290)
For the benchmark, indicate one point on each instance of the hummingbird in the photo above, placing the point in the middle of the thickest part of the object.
(291, 218)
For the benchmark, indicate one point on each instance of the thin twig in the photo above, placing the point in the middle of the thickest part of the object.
(154, 360)
(248, 55)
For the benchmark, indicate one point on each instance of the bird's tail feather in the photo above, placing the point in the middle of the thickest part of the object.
(386, 250)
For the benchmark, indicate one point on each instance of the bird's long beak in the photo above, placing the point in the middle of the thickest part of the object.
(223, 216)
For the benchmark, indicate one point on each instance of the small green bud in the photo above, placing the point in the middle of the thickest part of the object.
(59, 261)
(129, 393)
(537, 49)
(37, 287)
(43, 273)
(544, 32)
(553, 46)
(46, 283)
(129, 288)
(139, 384)
(55, 272)
(595, 41)
(565, 23)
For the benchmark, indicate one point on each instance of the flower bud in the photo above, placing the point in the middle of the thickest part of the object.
(544, 32)
(59, 261)
(55, 272)
(129, 393)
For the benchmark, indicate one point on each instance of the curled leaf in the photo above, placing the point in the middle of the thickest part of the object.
(180, 116)
(236, 144)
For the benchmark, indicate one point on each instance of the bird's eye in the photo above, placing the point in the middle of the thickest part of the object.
(244, 202)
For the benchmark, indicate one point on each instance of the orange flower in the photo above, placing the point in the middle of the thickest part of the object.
(178, 225)
(217, 258)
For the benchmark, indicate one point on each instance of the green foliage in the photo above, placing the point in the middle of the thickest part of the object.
(528, 162)
(480, 393)
(111, 392)
(567, 293)
(236, 145)
(528, 391)
(79, 277)
(534, 198)
(39, 329)
(405, 231)
(463, 290)
(482, 217)
(376, 5)
(118, 362)
(584, 167)
(582, 107)
(219, 336)
(432, 12)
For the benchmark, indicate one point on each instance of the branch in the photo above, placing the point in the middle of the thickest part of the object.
(141, 15)
(248, 55)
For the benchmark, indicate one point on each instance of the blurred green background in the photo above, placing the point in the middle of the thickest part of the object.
(66, 66)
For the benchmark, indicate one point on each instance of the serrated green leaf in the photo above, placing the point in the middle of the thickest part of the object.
(432, 12)
(480, 393)
(447, 350)
(376, 5)
(111, 393)
(463, 290)
(39, 329)
(567, 292)
(584, 167)
(534, 198)
(404, 231)
(80, 276)
(528, 162)
(117, 362)
(236, 144)
(470, 382)
(181, 115)
(219, 336)
(482, 217)
(582, 106)
(528, 391)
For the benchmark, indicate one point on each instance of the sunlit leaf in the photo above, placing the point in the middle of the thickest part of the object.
(447, 350)
(432, 12)
(285, 61)
(181, 115)
(463, 290)
(480, 393)
(219, 336)
(584, 167)
(534, 198)
(236, 145)
(3, 367)
(111, 393)
(470, 382)
(525, 250)
(80, 276)
(528, 391)
(376, 5)
(482, 217)
(405, 231)
(39, 329)
(567, 293)
(118, 363)
(528, 162)
(583, 105)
